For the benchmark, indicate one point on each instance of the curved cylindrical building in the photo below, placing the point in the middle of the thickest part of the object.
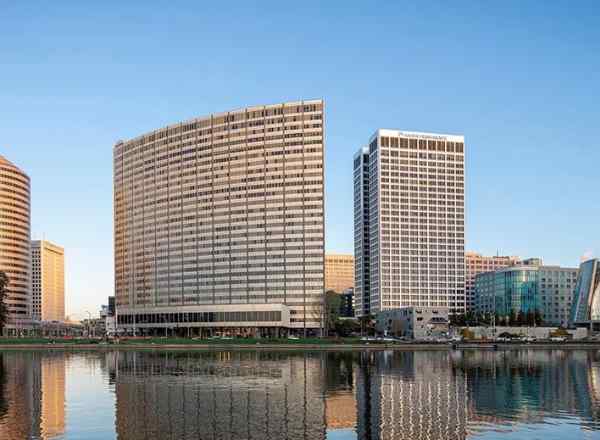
(219, 223)
(15, 241)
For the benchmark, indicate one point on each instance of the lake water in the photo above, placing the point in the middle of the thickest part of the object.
(129, 395)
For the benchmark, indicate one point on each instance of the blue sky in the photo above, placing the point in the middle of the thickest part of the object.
(519, 79)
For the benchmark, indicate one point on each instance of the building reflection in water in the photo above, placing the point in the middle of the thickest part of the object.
(410, 395)
(304, 395)
(220, 395)
(379, 395)
(340, 401)
(53, 395)
(511, 387)
(32, 395)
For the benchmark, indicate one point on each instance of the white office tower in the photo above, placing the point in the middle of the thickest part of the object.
(413, 252)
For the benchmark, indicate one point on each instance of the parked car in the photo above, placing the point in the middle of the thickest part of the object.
(558, 339)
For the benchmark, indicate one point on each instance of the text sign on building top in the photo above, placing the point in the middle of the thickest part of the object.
(419, 135)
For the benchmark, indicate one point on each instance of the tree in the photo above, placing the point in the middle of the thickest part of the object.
(530, 318)
(3, 307)
(366, 324)
(345, 327)
(332, 310)
(458, 320)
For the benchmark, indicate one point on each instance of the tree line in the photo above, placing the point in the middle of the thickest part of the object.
(513, 319)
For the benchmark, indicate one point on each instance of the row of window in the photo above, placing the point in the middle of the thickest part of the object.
(199, 317)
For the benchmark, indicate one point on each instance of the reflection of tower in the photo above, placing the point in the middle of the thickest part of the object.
(235, 395)
(427, 401)
(368, 423)
(340, 402)
(20, 395)
(53, 395)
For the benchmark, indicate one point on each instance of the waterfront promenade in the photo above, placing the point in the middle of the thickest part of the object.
(309, 344)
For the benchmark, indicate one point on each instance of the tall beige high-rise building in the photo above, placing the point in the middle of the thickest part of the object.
(14, 242)
(47, 281)
(409, 221)
(475, 264)
(219, 223)
(339, 272)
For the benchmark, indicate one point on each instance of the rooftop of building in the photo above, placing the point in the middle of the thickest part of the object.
(8, 164)
(477, 254)
(217, 115)
(336, 255)
(418, 135)
(46, 244)
(529, 264)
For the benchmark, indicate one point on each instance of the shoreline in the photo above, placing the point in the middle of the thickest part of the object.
(306, 347)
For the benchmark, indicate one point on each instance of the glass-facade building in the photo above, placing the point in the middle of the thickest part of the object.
(219, 223)
(528, 287)
(508, 291)
(362, 249)
(409, 223)
(475, 264)
(586, 304)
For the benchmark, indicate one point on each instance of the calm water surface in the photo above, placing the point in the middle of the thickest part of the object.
(530, 394)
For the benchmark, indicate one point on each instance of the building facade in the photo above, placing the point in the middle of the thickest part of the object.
(15, 212)
(362, 248)
(47, 281)
(339, 272)
(586, 302)
(219, 223)
(527, 288)
(475, 264)
(347, 304)
(415, 211)
(414, 322)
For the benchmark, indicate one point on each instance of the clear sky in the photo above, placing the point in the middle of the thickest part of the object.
(520, 80)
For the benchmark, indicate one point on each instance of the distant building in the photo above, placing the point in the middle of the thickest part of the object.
(586, 302)
(111, 306)
(107, 313)
(347, 304)
(95, 327)
(362, 248)
(415, 209)
(339, 272)
(413, 322)
(475, 264)
(47, 281)
(15, 256)
(527, 288)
